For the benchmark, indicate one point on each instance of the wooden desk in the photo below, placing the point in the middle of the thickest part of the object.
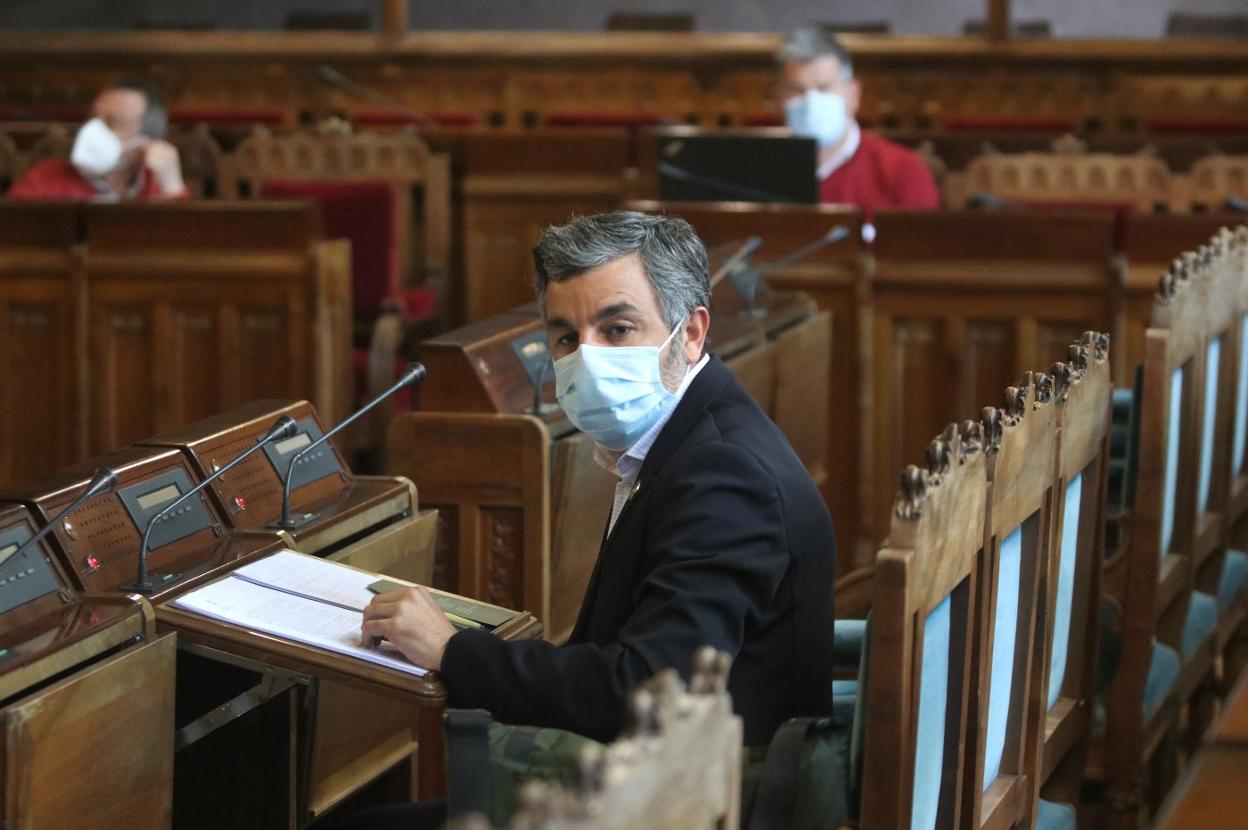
(1210, 795)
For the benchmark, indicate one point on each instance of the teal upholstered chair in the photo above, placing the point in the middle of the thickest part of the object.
(921, 639)
(1007, 712)
(1082, 395)
(1164, 656)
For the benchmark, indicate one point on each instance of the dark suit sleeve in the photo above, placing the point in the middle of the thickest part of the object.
(717, 553)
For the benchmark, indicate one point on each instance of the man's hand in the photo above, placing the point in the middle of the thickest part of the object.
(161, 160)
(412, 622)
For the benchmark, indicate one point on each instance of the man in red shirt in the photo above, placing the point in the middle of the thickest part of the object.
(856, 166)
(119, 154)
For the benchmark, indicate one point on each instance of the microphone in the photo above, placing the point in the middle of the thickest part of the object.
(835, 235)
(749, 246)
(987, 201)
(327, 74)
(283, 427)
(103, 481)
(415, 374)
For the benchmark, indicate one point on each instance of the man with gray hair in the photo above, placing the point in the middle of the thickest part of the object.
(820, 97)
(716, 533)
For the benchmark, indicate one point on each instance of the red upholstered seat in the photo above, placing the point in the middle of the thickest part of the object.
(387, 118)
(367, 214)
(228, 117)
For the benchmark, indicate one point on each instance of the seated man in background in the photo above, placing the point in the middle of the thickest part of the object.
(120, 153)
(856, 166)
(716, 535)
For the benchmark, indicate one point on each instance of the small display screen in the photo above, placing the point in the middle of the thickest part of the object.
(6, 552)
(291, 444)
(158, 497)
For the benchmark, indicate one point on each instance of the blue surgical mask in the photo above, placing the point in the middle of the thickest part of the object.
(614, 394)
(823, 116)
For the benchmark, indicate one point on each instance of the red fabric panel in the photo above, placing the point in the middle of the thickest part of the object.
(1197, 126)
(605, 119)
(227, 117)
(383, 118)
(367, 214)
(763, 120)
(1007, 123)
(42, 112)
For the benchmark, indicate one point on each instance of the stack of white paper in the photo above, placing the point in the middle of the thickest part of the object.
(301, 598)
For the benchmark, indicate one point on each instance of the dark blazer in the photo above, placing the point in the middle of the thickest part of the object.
(725, 541)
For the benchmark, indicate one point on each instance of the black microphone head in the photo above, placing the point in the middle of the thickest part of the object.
(283, 427)
(103, 481)
(837, 233)
(415, 373)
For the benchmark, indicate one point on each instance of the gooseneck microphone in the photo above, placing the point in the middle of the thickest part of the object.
(415, 374)
(101, 482)
(283, 427)
(833, 236)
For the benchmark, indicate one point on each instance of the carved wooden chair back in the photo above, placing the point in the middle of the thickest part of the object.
(200, 155)
(341, 156)
(1020, 443)
(1220, 558)
(1082, 389)
(1069, 174)
(1166, 648)
(1235, 268)
(678, 766)
(919, 667)
(1215, 179)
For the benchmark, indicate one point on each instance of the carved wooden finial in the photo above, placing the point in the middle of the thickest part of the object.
(911, 493)
(591, 769)
(939, 455)
(1043, 386)
(643, 713)
(710, 671)
(1069, 145)
(992, 420)
(1097, 344)
(970, 439)
(1063, 379)
(1016, 402)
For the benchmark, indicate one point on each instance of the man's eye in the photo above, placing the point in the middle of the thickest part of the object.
(618, 332)
(566, 340)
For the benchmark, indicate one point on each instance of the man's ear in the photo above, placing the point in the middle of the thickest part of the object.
(697, 324)
(853, 97)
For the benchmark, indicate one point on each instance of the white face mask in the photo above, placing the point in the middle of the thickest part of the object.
(823, 116)
(614, 394)
(97, 149)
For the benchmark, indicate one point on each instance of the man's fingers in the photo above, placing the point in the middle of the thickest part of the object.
(381, 610)
(375, 630)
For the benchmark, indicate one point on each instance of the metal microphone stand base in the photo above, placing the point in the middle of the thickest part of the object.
(294, 522)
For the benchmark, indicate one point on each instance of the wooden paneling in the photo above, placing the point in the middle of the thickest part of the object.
(199, 307)
(712, 78)
(95, 750)
(41, 332)
(962, 304)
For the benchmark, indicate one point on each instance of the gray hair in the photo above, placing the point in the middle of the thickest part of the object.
(671, 254)
(808, 43)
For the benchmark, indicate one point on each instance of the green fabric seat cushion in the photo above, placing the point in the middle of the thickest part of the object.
(1233, 578)
(1053, 815)
(1202, 619)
